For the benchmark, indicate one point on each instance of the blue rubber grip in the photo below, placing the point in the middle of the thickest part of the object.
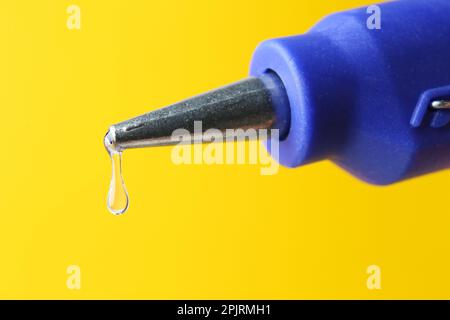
(361, 97)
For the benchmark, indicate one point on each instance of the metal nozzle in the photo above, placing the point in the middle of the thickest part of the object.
(242, 105)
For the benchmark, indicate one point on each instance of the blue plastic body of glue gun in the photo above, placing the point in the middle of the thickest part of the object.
(362, 97)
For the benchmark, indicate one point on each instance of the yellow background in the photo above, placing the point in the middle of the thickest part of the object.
(191, 231)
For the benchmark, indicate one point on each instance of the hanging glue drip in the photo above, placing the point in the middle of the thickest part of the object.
(117, 195)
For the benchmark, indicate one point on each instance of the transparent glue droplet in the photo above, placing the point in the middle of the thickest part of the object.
(117, 195)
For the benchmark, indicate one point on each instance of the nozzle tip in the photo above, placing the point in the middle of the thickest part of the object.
(110, 141)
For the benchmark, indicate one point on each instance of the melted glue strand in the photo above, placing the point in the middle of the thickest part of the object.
(117, 194)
